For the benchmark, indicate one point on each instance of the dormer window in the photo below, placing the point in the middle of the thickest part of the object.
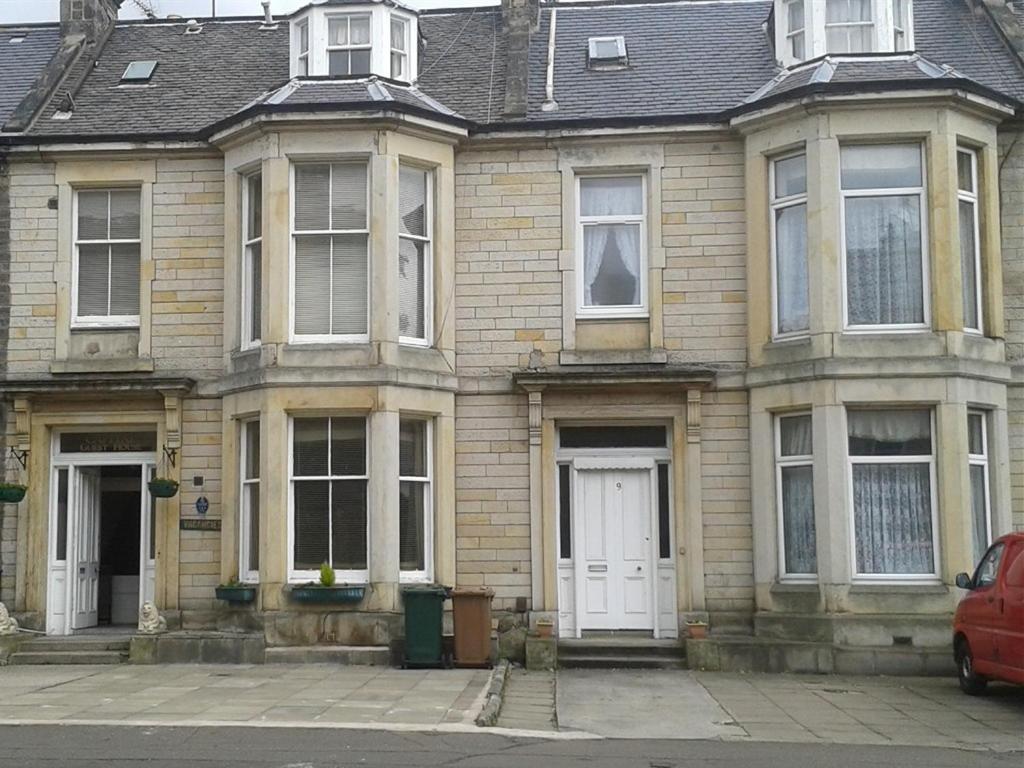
(810, 29)
(363, 38)
(348, 44)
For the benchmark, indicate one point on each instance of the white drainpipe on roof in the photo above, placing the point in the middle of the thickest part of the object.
(549, 84)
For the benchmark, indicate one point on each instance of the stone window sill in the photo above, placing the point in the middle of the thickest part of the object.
(613, 357)
(898, 589)
(795, 587)
(104, 365)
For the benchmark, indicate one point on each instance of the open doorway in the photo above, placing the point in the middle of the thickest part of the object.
(102, 558)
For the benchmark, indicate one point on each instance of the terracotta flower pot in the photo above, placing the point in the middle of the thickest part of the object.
(697, 631)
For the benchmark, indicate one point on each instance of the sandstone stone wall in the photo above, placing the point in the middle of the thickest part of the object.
(1011, 152)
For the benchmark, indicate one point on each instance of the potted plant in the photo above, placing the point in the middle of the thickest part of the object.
(697, 630)
(163, 487)
(12, 493)
(236, 593)
(326, 590)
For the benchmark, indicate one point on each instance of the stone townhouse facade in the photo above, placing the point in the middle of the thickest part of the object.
(635, 314)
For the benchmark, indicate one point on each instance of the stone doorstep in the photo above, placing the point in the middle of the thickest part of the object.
(760, 654)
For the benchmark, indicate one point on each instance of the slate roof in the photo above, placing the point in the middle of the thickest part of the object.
(21, 63)
(701, 60)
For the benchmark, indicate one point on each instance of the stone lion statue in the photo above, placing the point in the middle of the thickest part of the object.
(8, 624)
(150, 620)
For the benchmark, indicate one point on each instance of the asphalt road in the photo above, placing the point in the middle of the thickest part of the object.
(163, 747)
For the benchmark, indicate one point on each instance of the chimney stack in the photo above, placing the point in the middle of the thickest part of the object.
(90, 18)
(520, 18)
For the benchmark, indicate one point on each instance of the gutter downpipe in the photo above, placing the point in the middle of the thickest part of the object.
(550, 104)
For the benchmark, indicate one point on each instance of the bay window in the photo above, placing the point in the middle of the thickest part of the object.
(249, 502)
(415, 528)
(302, 47)
(252, 260)
(329, 489)
(348, 44)
(794, 488)
(795, 29)
(970, 237)
(849, 26)
(415, 231)
(611, 232)
(330, 262)
(884, 248)
(790, 289)
(107, 256)
(900, 24)
(892, 494)
(981, 502)
(399, 48)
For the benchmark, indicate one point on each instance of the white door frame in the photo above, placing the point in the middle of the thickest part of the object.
(60, 603)
(662, 578)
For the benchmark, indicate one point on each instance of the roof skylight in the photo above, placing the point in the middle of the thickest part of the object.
(138, 72)
(606, 52)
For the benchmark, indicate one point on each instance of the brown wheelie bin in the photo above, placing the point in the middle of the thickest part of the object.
(471, 610)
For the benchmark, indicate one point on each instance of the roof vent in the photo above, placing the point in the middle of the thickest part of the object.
(607, 52)
(193, 27)
(19, 39)
(138, 72)
(268, 18)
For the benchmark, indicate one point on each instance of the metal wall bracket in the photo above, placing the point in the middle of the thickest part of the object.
(21, 455)
(171, 454)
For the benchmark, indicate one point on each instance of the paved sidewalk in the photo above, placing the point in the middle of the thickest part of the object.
(790, 708)
(529, 701)
(286, 694)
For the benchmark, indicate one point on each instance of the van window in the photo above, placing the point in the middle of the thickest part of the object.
(1015, 571)
(988, 569)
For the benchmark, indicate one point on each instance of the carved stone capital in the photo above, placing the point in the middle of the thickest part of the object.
(535, 416)
(693, 402)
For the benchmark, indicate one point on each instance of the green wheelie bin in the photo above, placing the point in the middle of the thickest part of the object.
(424, 608)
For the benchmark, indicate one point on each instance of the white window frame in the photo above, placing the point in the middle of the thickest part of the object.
(329, 338)
(426, 575)
(247, 329)
(246, 575)
(622, 311)
(847, 25)
(343, 576)
(981, 460)
(368, 46)
(403, 53)
(108, 320)
(777, 204)
(789, 35)
(302, 56)
(901, 30)
(930, 460)
(974, 199)
(428, 263)
(921, 192)
(783, 462)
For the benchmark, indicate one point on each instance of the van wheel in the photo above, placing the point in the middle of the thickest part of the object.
(971, 682)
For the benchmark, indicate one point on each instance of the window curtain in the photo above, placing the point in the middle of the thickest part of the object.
(979, 511)
(885, 284)
(798, 519)
(968, 264)
(597, 240)
(893, 518)
(791, 269)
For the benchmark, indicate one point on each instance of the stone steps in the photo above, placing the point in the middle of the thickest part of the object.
(68, 657)
(359, 655)
(620, 653)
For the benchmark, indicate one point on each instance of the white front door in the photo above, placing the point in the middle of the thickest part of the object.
(614, 579)
(85, 535)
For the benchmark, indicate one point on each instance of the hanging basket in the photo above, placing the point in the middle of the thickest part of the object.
(163, 488)
(12, 493)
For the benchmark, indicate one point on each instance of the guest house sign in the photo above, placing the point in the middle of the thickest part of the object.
(108, 442)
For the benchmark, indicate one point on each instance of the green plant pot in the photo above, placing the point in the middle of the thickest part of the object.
(239, 595)
(163, 488)
(12, 494)
(327, 595)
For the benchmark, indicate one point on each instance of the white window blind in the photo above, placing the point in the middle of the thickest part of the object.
(252, 260)
(611, 261)
(302, 31)
(884, 247)
(794, 478)
(399, 49)
(849, 26)
(331, 266)
(348, 44)
(329, 481)
(970, 238)
(107, 254)
(415, 522)
(789, 245)
(795, 28)
(414, 253)
(249, 506)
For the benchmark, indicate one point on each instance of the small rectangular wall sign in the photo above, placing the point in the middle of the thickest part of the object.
(199, 524)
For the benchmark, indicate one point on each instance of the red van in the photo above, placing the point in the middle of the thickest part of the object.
(988, 628)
